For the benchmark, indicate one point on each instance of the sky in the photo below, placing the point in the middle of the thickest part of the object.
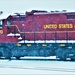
(28, 5)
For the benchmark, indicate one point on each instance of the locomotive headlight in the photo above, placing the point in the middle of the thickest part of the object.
(1, 31)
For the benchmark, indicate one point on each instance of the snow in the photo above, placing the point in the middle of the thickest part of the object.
(36, 67)
(51, 12)
(48, 41)
(17, 34)
(42, 58)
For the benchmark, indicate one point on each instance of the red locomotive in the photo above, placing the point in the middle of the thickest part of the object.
(38, 33)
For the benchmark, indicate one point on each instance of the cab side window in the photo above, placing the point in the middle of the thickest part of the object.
(8, 22)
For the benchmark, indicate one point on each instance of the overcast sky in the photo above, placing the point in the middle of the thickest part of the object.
(27, 5)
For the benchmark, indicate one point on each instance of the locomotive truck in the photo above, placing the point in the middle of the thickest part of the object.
(38, 33)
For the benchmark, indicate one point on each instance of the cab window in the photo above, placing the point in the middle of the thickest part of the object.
(1, 23)
(8, 22)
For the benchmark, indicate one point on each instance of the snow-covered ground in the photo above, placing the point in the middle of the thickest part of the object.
(36, 67)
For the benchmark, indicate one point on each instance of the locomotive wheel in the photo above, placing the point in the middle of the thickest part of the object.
(72, 59)
(17, 57)
(63, 59)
